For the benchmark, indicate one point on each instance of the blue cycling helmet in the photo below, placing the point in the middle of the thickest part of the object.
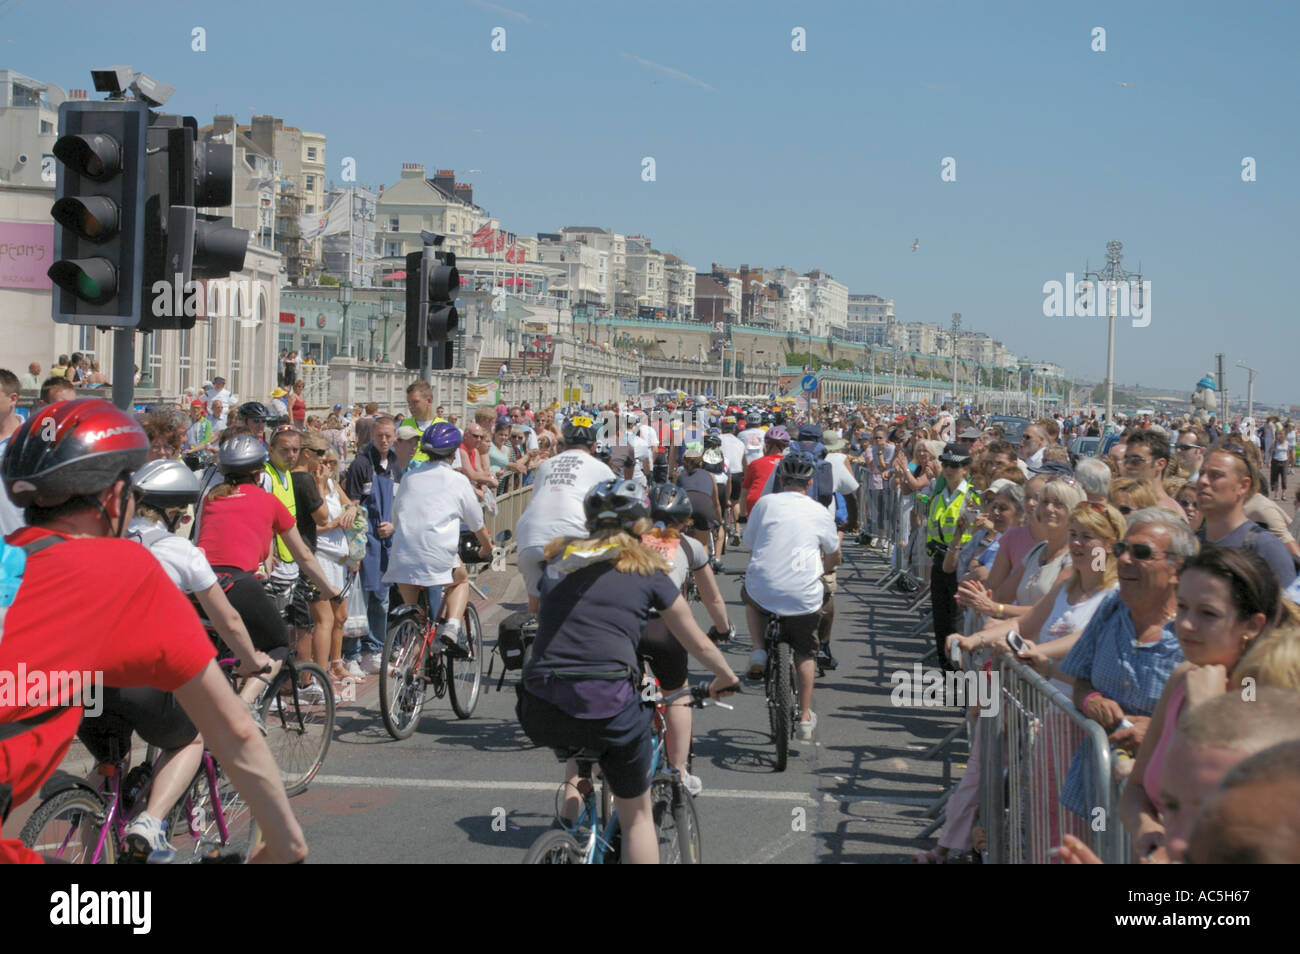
(440, 440)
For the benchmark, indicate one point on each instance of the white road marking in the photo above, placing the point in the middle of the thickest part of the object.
(463, 784)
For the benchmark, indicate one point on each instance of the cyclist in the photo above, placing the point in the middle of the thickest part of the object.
(70, 467)
(556, 507)
(733, 453)
(164, 491)
(703, 491)
(716, 465)
(670, 509)
(759, 471)
(253, 415)
(580, 686)
(792, 542)
(239, 519)
(428, 510)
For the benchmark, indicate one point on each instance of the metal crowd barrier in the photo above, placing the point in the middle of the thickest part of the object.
(510, 507)
(1025, 754)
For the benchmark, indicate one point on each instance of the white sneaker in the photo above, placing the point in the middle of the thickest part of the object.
(354, 669)
(146, 834)
(691, 782)
(757, 663)
(806, 728)
(311, 694)
(370, 663)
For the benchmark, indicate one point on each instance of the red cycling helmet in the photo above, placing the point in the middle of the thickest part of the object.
(70, 449)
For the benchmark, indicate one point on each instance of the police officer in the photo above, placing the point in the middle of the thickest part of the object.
(952, 495)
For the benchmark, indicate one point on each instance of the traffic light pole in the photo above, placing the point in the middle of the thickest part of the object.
(124, 368)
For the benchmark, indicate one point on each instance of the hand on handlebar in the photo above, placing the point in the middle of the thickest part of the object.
(260, 662)
(723, 686)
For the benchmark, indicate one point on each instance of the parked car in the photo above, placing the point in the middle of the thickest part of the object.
(1013, 427)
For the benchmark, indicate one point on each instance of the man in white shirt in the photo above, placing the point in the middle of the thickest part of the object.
(1032, 444)
(430, 505)
(555, 508)
(217, 392)
(793, 543)
(733, 453)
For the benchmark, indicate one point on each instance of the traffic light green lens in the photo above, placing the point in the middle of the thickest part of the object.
(87, 287)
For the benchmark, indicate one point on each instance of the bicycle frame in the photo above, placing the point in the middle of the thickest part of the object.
(598, 845)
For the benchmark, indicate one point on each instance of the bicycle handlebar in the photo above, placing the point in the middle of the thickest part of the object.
(700, 696)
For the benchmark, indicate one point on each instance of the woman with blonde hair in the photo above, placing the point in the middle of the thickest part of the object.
(580, 686)
(1131, 494)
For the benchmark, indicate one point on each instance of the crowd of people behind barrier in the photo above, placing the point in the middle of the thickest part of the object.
(1153, 585)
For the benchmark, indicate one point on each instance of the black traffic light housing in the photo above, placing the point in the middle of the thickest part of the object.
(99, 207)
(432, 286)
(183, 245)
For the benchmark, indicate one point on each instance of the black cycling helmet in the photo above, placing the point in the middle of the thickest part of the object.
(797, 466)
(166, 483)
(242, 454)
(253, 411)
(778, 417)
(669, 504)
(441, 439)
(468, 547)
(614, 503)
(712, 440)
(728, 425)
(579, 430)
(71, 449)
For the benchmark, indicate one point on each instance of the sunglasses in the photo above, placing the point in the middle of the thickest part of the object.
(1140, 551)
(1187, 447)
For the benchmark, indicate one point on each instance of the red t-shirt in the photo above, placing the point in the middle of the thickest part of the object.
(102, 605)
(755, 478)
(236, 530)
(297, 408)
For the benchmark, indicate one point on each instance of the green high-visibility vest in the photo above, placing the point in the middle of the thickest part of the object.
(942, 523)
(284, 494)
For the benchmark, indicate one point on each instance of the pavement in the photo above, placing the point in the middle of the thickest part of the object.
(477, 791)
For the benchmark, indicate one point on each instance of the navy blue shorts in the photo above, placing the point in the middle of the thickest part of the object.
(624, 742)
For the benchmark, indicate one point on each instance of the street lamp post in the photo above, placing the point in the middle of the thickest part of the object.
(956, 323)
(1112, 274)
(1250, 389)
(345, 299)
(510, 345)
(373, 321)
(386, 309)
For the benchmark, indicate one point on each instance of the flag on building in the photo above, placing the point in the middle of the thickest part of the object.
(483, 237)
(335, 220)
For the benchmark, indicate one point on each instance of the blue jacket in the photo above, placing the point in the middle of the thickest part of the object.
(374, 490)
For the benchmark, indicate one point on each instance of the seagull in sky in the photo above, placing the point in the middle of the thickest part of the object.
(916, 243)
(1118, 83)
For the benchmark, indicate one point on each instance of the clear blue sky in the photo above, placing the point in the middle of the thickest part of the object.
(828, 158)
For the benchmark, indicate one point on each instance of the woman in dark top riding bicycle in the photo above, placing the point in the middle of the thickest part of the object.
(579, 689)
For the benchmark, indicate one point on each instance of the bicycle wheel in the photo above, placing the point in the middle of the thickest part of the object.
(782, 693)
(554, 848)
(193, 825)
(676, 822)
(299, 724)
(67, 827)
(401, 677)
(467, 674)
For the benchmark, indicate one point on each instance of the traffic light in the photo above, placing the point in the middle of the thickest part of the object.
(182, 245)
(444, 287)
(99, 207)
(432, 286)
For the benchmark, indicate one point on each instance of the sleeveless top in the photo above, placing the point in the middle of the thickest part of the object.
(1154, 774)
(1066, 618)
(1038, 579)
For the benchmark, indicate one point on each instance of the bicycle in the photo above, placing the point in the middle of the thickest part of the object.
(82, 823)
(297, 712)
(781, 689)
(414, 660)
(595, 837)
